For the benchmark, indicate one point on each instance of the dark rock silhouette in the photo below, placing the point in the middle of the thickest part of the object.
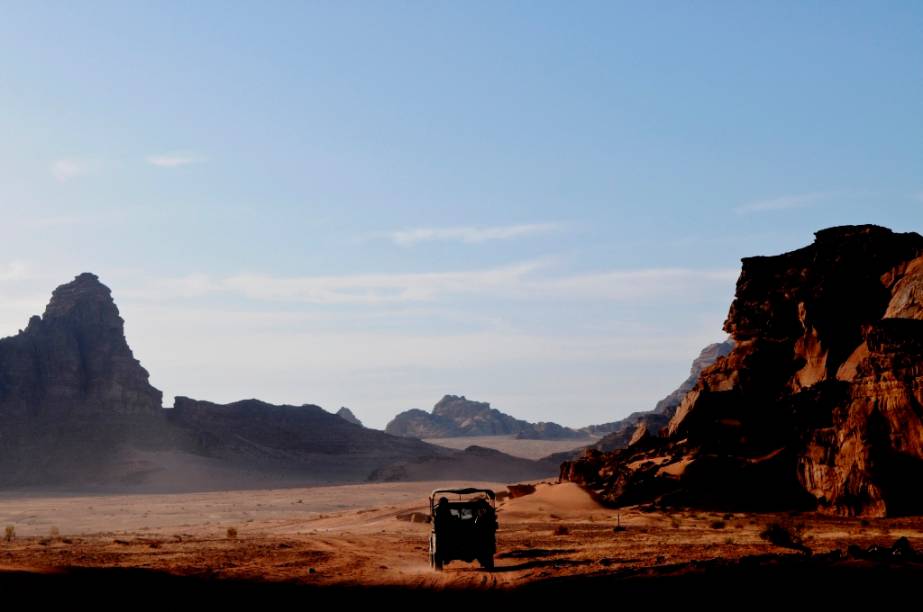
(818, 404)
(71, 391)
(347, 414)
(74, 357)
(303, 439)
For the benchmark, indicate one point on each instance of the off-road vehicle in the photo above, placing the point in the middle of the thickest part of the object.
(464, 526)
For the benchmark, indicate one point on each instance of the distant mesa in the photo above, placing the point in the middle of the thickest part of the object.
(347, 415)
(456, 416)
(78, 411)
(817, 405)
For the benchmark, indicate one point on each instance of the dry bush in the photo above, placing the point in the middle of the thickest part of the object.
(718, 525)
(785, 536)
(9, 533)
(232, 533)
(54, 533)
(561, 530)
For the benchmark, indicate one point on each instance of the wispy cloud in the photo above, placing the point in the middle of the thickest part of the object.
(175, 160)
(784, 202)
(527, 280)
(469, 234)
(14, 270)
(67, 169)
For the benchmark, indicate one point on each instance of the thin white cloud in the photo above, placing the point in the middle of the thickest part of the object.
(64, 170)
(175, 160)
(784, 202)
(469, 235)
(527, 280)
(14, 270)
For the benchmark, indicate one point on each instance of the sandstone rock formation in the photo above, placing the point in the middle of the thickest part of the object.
(819, 402)
(455, 416)
(70, 389)
(74, 357)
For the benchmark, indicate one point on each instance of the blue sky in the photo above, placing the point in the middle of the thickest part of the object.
(540, 205)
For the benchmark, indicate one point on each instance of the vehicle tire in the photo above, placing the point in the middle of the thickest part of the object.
(435, 560)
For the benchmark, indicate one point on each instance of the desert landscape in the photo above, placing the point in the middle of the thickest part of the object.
(726, 480)
(494, 306)
(374, 538)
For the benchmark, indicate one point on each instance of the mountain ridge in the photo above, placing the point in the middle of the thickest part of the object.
(78, 411)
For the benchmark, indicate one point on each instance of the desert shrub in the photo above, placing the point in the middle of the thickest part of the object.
(561, 530)
(718, 525)
(232, 533)
(674, 523)
(54, 533)
(9, 533)
(785, 536)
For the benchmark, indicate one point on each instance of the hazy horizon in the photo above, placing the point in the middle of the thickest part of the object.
(372, 206)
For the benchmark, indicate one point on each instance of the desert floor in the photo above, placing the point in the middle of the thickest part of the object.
(344, 536)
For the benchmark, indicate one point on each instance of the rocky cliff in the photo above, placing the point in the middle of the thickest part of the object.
(74, 357)
(817, 405)
(455, 416)
(71, 392)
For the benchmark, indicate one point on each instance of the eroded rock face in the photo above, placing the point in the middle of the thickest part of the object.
(869, 459)
(907, 292)
(819, 403)
(74, 357)
(71, 392)
(619, 434)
